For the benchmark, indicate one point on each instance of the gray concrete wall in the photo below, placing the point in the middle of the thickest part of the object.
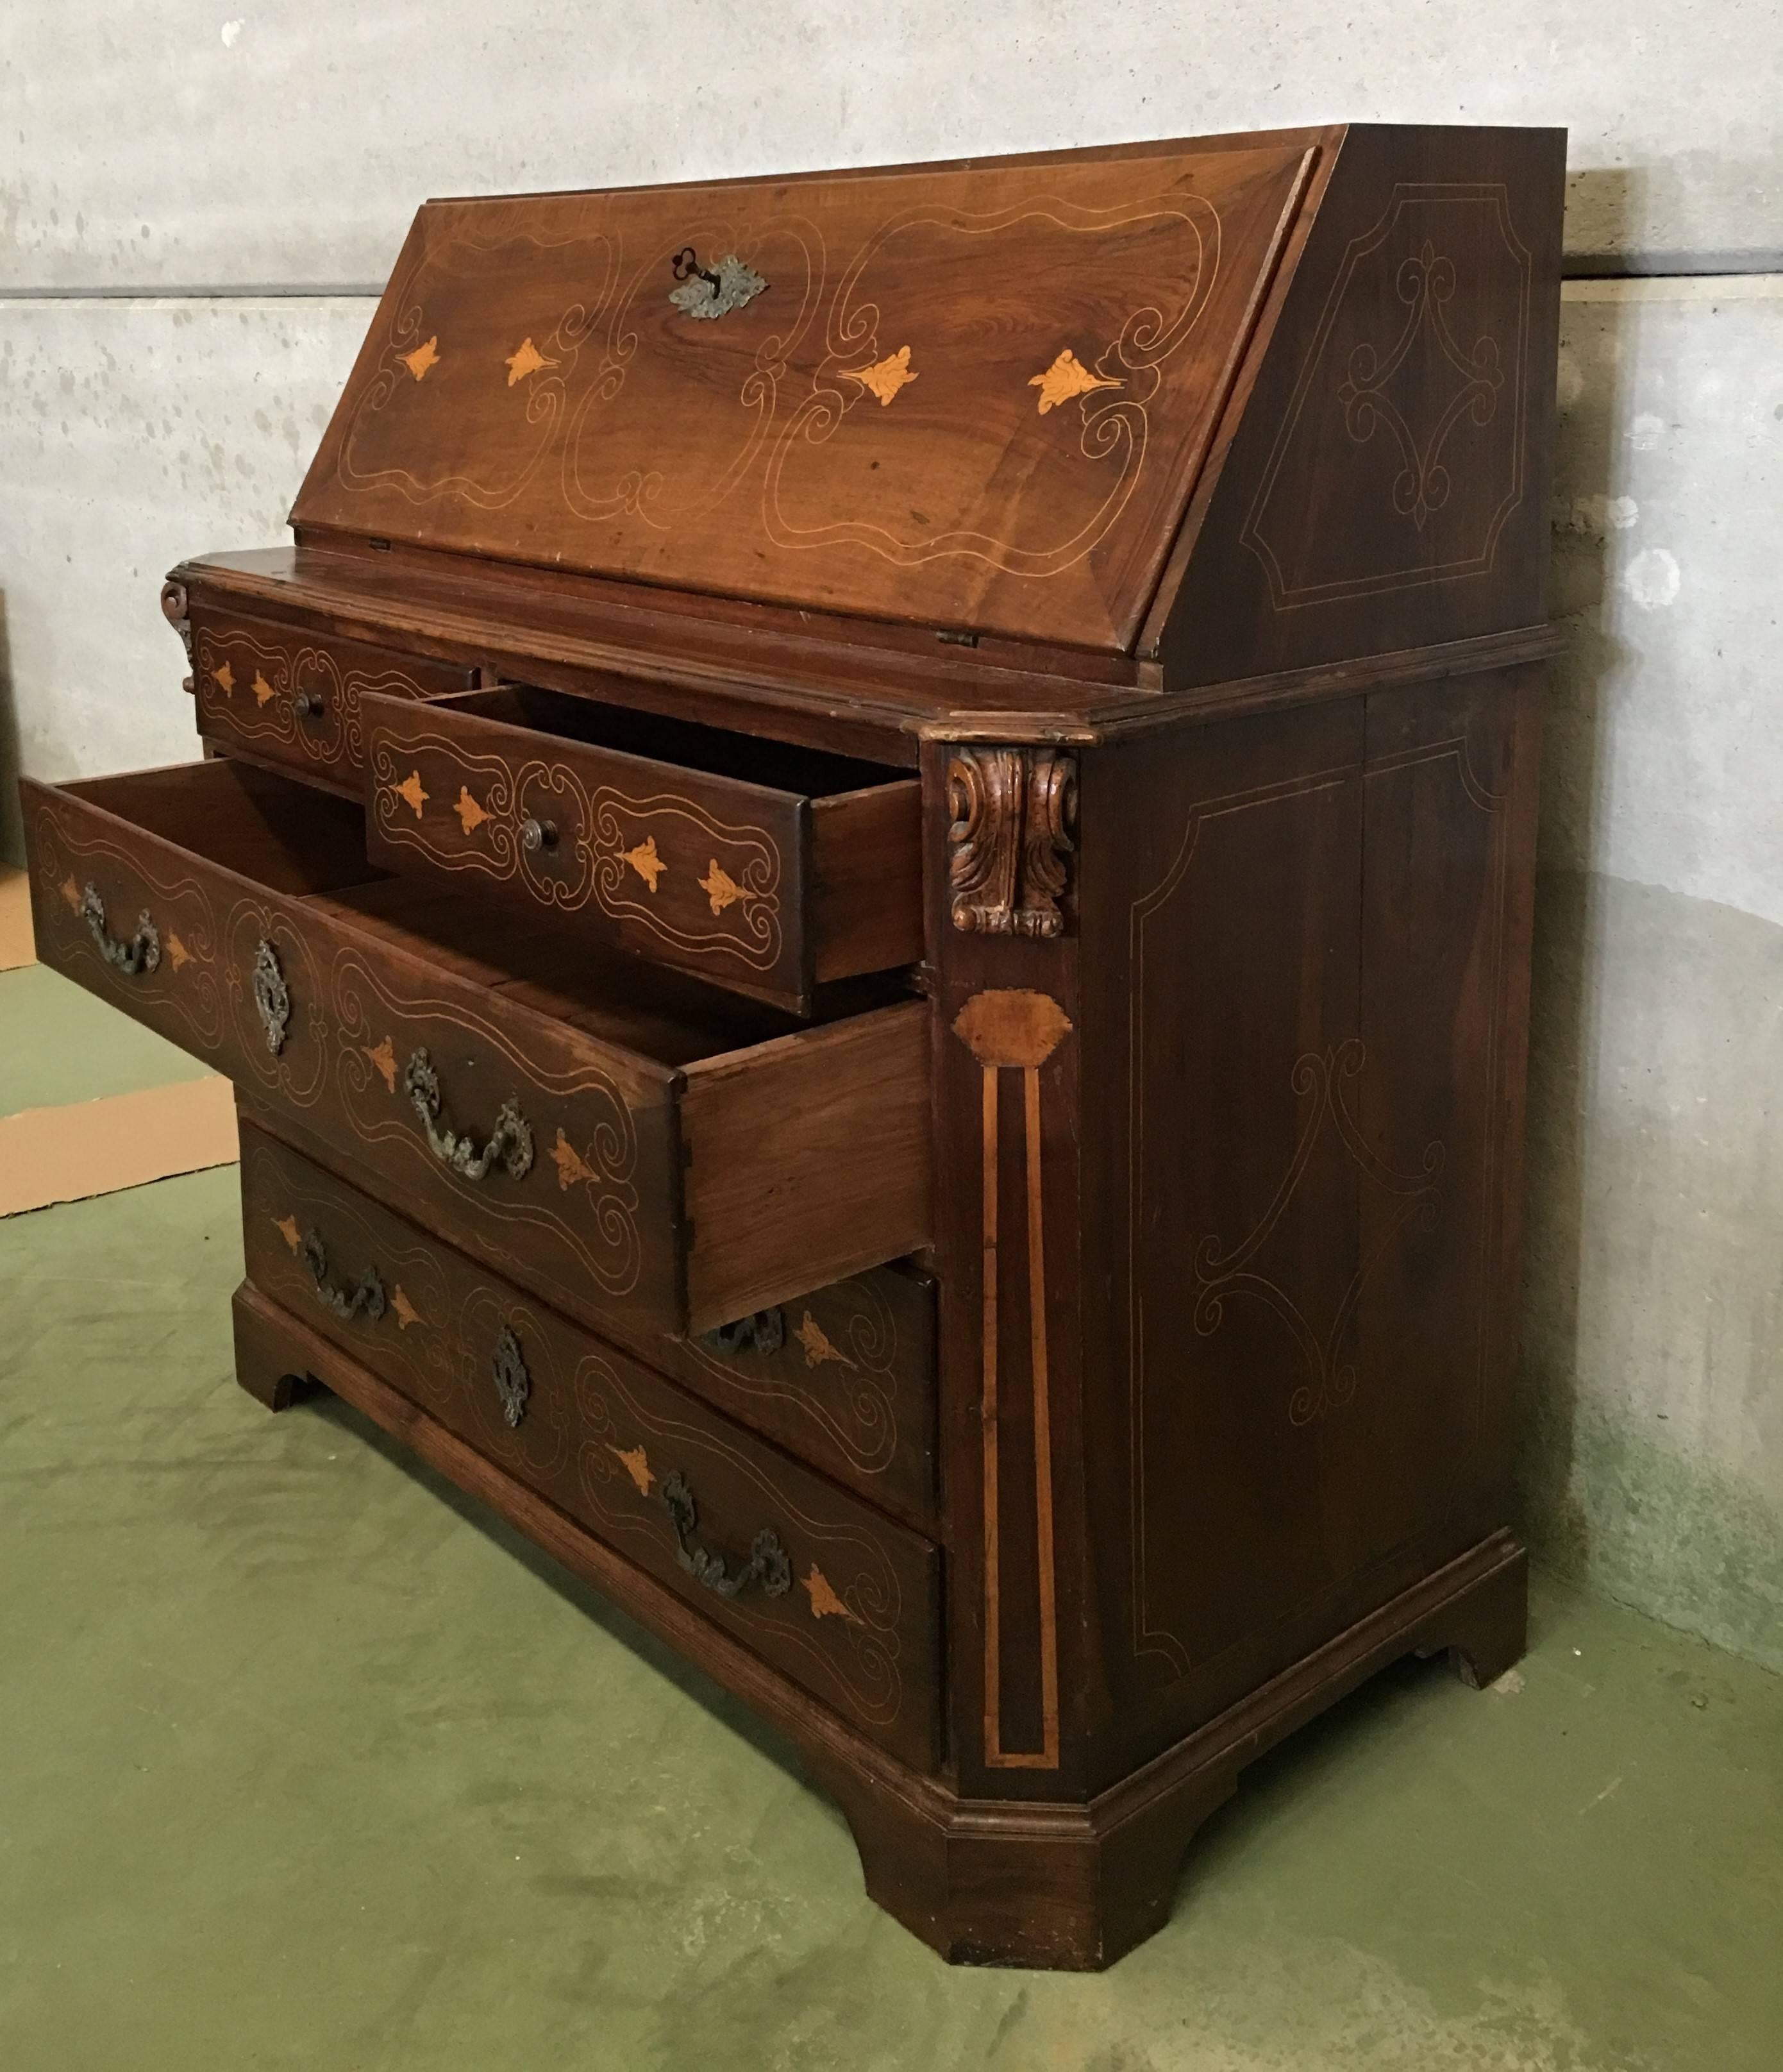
(193, 204)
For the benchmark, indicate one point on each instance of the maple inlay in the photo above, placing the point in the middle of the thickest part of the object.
(1066, 377)
(528, 360)
(411, 791)
(644, 860)
(71, 892)
(286, 1226)
(423, 357)
(636, 1464)
(261, 689)
(384, 1058)
(178, 950)
(406, 1312)
(224, 679)
(722, 889)
(824, 1602)
(818, 1347)
(571, 1166)
(471, 815)
(885, 377)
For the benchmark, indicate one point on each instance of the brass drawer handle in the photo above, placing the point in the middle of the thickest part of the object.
(142, 953)
(765, 1332)
(510, 1144)
(767, 1563)
(368, 1296)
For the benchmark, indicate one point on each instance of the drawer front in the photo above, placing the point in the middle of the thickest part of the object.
(634, 1195)
(845, 1601)
(292, 696)
(761, 890)
(551, 1159)
(844, 1377)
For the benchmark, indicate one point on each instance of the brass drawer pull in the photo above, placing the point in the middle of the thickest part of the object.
(142, 953)
(765, 1332)
(767, 1563)
(309, 704)
(510, 1144)
(513, 1384)
(368, 1296)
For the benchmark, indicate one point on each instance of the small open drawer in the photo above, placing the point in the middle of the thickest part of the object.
(631, 1144)
(769, 868)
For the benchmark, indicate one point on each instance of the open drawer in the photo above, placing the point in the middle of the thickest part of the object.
(627, 1142)
(769, 868)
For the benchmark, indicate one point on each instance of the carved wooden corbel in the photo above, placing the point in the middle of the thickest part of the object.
(1014, 813)
(178, 614)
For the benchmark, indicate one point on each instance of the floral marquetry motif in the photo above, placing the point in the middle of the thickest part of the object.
(527, 360)
(885, 377)
(1068, 377)
(1012, 815)
(422, 358)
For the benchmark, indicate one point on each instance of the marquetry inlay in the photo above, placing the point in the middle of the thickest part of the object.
(384, 1061)
(824, 1602)
(406, 1312)
(636, 1464)
(471, 815)
(410, 791)
(423, 357)
(644, 860)
(818, 1350)
(885, 377)
(528, 359)
(722, 889)
(1066, 378)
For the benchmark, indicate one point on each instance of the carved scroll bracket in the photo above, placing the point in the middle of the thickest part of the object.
(177, 610)
(1013, 815)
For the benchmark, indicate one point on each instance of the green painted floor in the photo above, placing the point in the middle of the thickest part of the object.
(59, 1043)
(303, 1764)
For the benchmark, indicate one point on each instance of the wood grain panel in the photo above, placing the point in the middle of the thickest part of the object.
(814, 1147)
(849, 1609)
(292, 696)
(961, 397)
(686, 846)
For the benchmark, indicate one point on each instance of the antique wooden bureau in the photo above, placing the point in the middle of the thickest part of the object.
(867, 879)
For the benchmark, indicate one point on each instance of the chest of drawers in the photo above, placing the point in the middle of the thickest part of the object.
(867, 882)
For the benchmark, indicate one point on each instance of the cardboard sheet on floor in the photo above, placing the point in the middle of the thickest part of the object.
(64, 1154)
(17, 946)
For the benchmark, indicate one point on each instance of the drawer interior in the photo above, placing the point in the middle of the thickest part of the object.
(744, 758)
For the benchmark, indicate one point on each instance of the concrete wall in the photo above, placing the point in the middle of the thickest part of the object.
(193, 205)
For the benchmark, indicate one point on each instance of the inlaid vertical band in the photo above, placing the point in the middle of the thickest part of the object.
(1015, 1030)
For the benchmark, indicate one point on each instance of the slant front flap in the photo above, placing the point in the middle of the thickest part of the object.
(972, 397)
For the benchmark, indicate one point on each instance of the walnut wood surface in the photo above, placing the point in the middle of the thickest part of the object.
(1059, 1886)
(974, 398)
(1207, 1127)
(815, 1146)
(759, 866)
(600, 1216)
(294, 701)
(845, 1380)
(599, 1436)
